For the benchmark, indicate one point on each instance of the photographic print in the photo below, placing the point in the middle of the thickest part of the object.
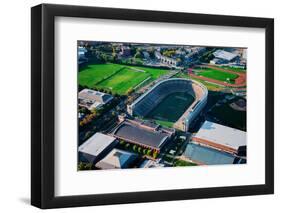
(144, 105)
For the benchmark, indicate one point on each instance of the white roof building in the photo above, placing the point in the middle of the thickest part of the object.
(151, 164)
(96, 146)
(220, 137)
(221, 54)
(116, 159)
(92, 99)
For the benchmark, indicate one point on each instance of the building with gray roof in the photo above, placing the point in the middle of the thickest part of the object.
(92, 99)
(138, 133)
(225, 56)
(203, 155)
(220, 137)
(96, 147)
(117, 159)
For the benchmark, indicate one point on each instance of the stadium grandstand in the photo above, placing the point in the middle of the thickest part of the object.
(154, 96)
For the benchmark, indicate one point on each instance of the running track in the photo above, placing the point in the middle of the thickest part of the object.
(240, 81)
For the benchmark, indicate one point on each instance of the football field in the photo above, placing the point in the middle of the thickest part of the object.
(171, 108)
(117, 78)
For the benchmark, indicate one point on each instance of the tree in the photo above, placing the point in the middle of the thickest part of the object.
(144, 151)
(127, 146)
(135, 147)
(122, 142)
(130, 91)
(140, 150)
(138, 55)
(155, 154)
(84, 166)
(149, 151)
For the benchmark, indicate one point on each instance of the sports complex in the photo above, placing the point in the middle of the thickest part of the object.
(172, 102)
(118, 78)
(219, 75)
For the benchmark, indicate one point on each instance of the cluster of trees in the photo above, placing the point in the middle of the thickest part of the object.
(169, 53)
(89, 117)
(138, 54)
(95, 113)
(130, 91)
(207, 56)
(85, 166)
(139, 149)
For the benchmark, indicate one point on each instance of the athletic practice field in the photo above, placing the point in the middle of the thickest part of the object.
(216, 74)
(171, 108)
(117, 78)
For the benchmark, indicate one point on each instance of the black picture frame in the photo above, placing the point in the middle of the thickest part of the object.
(43, 111)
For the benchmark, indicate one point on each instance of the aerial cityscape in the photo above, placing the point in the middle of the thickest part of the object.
(146, 105)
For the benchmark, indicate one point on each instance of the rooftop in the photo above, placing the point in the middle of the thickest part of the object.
(207, 156)
(96, 144)
(116, 159)
(94, 95)
(151, 164)
(221, 135)
(224, 55)
(93, 99)
(139, 135)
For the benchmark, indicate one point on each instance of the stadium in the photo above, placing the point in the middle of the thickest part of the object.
(173, 101)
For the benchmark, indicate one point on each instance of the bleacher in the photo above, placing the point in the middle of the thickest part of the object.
(155, 95)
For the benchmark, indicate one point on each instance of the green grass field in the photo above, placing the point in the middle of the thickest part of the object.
(165, 123)
(91, 75)
(209, 86)
(171, 108)
(122, 81)
(183, 163)
(116, 77)
(216, 74)
(234, 69)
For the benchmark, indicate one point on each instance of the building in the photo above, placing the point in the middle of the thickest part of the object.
(125, 51)
(146, 55)
(151, 98)
(222, 56)
(203, 155)
(147, 136)
(82, 55)
(92, 99)
(117, 159)
(193, 54)
(220, 137)
(96, 147)
(151, 164)
(171, 62)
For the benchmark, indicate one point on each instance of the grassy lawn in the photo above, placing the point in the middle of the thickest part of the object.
(209, 86)
(234, 69)
(116, 77)
(155, 72)
(92, 74)
(171, 108)
(216, 74)
(165, 123)
(183, 163)
(124, 80)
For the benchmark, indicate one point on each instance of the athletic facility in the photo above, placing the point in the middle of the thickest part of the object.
(218, 75)
(171, 102)
(117, 78)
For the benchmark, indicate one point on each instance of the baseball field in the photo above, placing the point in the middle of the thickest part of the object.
(117, 78)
